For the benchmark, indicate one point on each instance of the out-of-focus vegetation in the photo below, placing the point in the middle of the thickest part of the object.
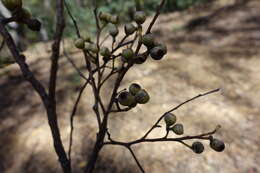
(45, 11)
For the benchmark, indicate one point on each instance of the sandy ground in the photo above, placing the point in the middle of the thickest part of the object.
(222, 54)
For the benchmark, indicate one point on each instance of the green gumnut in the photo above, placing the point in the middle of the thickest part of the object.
(217, 145)
(178, 129)
(197, 147)
(169, 119)
(148, 40)
(91, 47)
(126, 99)
(113, 31)
(142, 97)
(104, 51)
(25, 14)
(139, 17)
(79, 43)
(129, 29)
(12, 4)
(134, 88)
(105, 17)
(127, 54)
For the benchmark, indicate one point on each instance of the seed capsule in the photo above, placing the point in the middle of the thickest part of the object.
(157, 53)
(91, 47)
(217, 145)
(105, 17)
(139, 17)
(25, 14)
(126, 99)
(134, 88)
(140, 58)
(142, 97)
(12, 4)
(178, 129)
(104, 51)
(148, 40)
(79, 43)
(197, 147)
(169, 119)
(129, 29)
(128, 54)
(113, 31)
(163, 47)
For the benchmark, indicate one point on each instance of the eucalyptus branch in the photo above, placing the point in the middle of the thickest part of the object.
(175, 108)
(203, 136)
(60, 25)
(47, 99)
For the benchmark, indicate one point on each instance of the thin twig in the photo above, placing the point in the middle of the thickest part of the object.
(2, 44)
(158, 11)
(72, 63)
(74, 110)
(73, 19)
(136, 160)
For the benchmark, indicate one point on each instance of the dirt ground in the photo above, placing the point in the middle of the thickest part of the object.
(223, 53)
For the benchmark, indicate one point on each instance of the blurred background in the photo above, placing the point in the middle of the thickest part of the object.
(211, 44)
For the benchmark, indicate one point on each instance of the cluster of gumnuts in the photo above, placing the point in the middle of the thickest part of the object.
(21, 14)
(197, 147)
(135, 95)
(154, 49)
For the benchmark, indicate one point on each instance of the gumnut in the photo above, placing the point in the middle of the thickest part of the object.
(139, 17)
(79, 43)
(12, 4)
(217, 145)
(178, 129)
(169, 119)
(197, 147)
(148, 40)
(129, 29)
(127, 54)
(142, 97)
(126, 99)
(134, 88)
(104, 51)
(113, 31)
